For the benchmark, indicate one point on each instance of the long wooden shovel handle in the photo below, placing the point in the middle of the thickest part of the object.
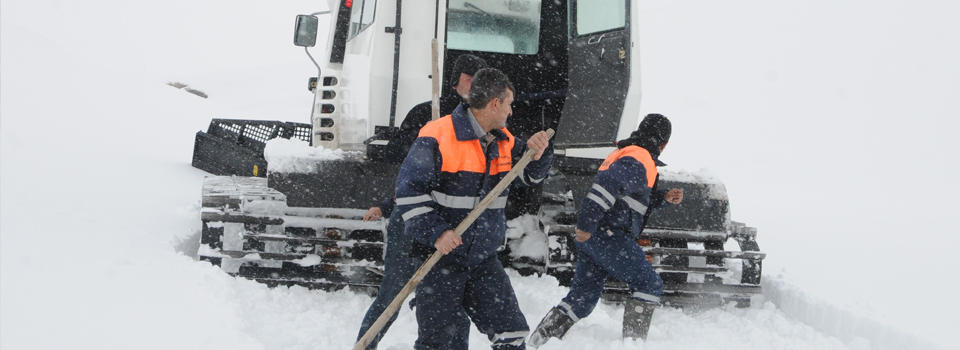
(461, 228)
(435, 75)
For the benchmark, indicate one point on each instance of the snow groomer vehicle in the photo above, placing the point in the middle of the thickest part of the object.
(296, 218)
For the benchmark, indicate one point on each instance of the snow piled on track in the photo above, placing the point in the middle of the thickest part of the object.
(99, 207)
(296, 156)
(854, 326)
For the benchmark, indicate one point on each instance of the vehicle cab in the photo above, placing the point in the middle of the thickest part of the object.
(572, 61)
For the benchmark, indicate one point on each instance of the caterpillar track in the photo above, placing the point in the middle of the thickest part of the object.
(249, 231)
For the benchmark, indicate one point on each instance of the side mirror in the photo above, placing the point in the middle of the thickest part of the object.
(305, 34)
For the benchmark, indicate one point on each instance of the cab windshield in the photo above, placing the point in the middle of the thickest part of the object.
(511, 26)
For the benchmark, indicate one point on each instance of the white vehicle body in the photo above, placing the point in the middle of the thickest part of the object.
(356, 91)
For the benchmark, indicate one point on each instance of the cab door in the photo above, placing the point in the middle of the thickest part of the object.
(599, 73)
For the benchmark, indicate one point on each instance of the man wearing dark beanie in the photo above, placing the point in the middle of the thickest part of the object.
(608, 223)
(460, 79)
(462, 75)
(652, 135)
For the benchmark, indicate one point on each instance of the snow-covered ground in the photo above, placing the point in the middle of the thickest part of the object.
(833, 125)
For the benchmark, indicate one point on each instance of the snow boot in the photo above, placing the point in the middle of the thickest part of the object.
(555, 324)
(636, 318)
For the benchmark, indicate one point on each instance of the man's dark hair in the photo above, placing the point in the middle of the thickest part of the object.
(489, 83)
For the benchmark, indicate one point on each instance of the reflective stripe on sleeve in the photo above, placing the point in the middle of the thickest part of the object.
(532, 181)
(635, 205)
(536, 181)
(601, 202)
(413, 200)
(606, 194)
(416, 211)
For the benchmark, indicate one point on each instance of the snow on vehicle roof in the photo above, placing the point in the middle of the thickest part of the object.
(704, 177)
(297, 156)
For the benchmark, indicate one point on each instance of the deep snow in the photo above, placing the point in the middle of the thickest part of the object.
(833, 126)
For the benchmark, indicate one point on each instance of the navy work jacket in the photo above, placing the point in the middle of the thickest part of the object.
(448, 172)
(621, 194)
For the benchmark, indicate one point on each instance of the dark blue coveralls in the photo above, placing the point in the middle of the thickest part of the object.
(399, 267)
(613, 212)
(445, 175)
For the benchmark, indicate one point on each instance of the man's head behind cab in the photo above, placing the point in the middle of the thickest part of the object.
(464, 69)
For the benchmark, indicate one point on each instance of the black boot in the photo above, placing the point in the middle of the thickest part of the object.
(555, 324)
(636, 318)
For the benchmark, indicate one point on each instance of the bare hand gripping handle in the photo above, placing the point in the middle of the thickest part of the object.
(462, 227)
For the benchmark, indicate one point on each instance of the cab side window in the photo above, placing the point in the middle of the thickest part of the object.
(361, 15)
(595, 16)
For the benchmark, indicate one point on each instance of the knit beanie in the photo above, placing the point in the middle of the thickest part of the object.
(467, 64)
(654, 131)
(654, 127)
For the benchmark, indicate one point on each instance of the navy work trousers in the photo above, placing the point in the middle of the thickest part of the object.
(398, 268)
(484, 292)
(602, 256)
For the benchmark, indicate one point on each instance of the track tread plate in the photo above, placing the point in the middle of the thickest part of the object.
(705, 252)
(252, 255)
